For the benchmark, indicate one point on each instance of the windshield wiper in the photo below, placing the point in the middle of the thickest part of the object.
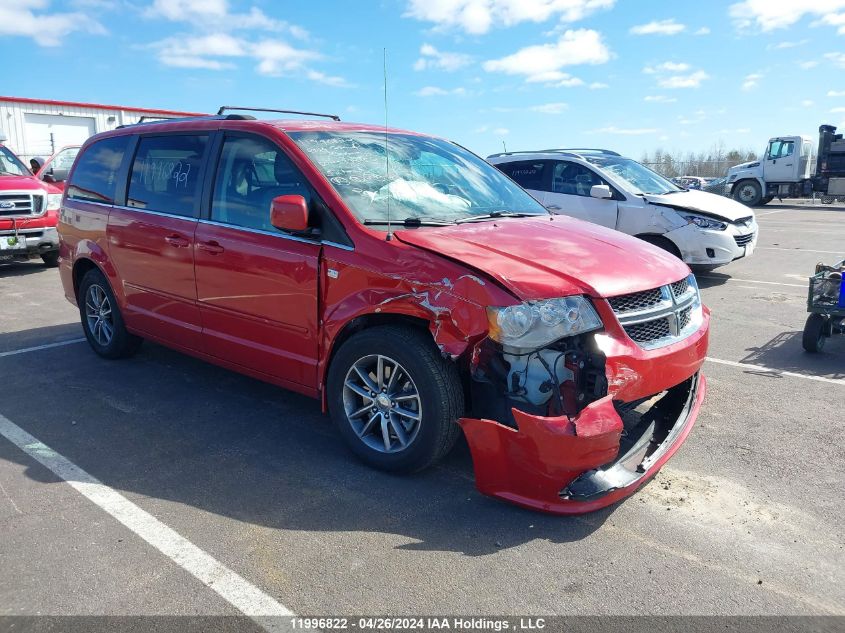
(410, 222)
(496, 214)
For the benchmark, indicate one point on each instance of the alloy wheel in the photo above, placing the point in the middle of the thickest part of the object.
(98, 314)
(382, 403)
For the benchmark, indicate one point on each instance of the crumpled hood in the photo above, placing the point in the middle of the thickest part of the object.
(709, 203)
(552, 256)
(21, 183)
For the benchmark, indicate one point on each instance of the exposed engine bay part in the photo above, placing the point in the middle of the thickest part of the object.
(557, 380)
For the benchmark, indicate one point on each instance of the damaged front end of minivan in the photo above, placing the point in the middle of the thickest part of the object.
(569, 424)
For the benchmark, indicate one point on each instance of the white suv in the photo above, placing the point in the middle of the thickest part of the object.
(703, 229)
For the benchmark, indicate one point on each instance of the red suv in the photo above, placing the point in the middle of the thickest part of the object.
(29, 210)
(406, 283)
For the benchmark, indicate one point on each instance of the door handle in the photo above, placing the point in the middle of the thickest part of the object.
(177, 240)
(212, 247)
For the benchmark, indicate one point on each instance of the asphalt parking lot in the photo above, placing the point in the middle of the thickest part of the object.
(746, 519)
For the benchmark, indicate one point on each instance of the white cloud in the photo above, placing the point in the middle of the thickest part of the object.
(808, 103)
(598, 85)
(768, 15)
(479, 16)
(543, 62)
(668, 67)
(676, 75)
(836, 58)
(808, 65)
(784, 45)
(837, 110)
(31, 18)
(430, 57)
(704, 30)
(836, 93)
(215, 15)
(659, 27)
(550, 108)
(751, 81)
(501, 131)
(833, 19)
(612, 129)
(436, 91)
(219, 51)
(660, 99)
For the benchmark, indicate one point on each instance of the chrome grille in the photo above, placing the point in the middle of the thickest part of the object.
(680, 288)
(649, 331)
(636, 301)
(20, 204)
(661, 316)
(742, 240)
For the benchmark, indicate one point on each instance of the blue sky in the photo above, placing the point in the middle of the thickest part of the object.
(630, 75)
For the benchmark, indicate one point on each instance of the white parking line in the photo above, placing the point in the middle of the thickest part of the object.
(776, 372)
(798, 250)
(245, 597)
(751, 281)
(38, 347)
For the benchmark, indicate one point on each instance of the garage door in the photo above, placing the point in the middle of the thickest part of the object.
(46, 133)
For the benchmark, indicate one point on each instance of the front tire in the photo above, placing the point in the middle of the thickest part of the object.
(395, 399)
(50, 259)
(662, 242)
(748, 192)
(102, 321)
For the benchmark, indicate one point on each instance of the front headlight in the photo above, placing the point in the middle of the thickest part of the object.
(54, 201)
(535, 324)
(704, 222)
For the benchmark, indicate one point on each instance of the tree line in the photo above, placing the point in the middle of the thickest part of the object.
(710, 164)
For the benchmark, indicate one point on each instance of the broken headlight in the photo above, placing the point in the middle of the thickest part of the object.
(534, 324)
(703, 222)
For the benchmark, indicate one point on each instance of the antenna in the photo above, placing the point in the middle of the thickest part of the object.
(505, 147)
(389, 235)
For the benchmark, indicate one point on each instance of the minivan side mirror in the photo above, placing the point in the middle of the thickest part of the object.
(289, 213)
(48, 178)
(601, 191)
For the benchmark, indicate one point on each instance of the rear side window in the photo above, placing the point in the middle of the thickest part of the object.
(528, 174)
(166, 173)
(97, 170)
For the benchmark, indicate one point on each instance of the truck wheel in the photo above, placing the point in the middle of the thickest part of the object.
(766, 200)
(395, 399)
(101, 318)
(748, 192)
(51, 259)
(814, 333)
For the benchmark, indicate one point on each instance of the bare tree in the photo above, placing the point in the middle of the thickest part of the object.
(713, 163)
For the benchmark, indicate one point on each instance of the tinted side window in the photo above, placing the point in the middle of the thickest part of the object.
(528, 174)
(251, 172)
(97, 169)
(166, 173)
(573, 179)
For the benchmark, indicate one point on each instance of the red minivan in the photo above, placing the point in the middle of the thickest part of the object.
(406, 283)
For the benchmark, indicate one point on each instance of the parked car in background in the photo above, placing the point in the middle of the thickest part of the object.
(717, 186)
(704, 230)
(690, 182)
(56, 169)
(404, 282)
(28, 212)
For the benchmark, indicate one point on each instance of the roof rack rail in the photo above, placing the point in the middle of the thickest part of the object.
(581, 150)
(538, 151)
(204, 117)
(333, 117)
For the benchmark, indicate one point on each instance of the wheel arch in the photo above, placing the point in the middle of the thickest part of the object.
(663, 241)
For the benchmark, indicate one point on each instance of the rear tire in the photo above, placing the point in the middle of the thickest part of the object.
(426, 385)
(748, 192)
(102, 321)
(766, 200)
(814, 333)
(51, 259)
